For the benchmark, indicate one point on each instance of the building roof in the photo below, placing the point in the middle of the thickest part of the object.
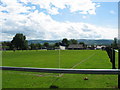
(75, 46)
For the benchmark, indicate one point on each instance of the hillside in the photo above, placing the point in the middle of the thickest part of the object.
(86, 41)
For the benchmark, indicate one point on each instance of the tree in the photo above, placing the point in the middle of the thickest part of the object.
(84, 45)
(114, 44)
(73, 41)
(46, 44)
(65, 42)
(19, 41)
(38, 45)
(33, 46)
(92, 47)
(7, 46)
(56, 45)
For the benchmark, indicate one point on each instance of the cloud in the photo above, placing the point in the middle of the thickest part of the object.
(51, 6)
(112, 12)
(84, 17)
(38, 25)
(18, 17)
(13, 7)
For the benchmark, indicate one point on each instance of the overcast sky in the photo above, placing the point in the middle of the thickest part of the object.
(58, 19)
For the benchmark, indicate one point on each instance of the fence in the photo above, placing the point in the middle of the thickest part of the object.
(111, 54)
(76, 71)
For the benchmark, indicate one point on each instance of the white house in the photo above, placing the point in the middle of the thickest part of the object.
(100, 47)
(62, 47)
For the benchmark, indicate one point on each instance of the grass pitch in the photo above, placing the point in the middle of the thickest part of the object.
(76, 59)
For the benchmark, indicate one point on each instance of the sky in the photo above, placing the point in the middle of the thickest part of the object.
(58, 19)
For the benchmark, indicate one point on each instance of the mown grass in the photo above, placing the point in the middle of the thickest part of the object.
(80, 59)
(50, 59)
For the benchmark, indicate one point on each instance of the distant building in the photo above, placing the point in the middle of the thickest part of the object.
(62, 47)
(100, 47)
(43, 48)
(91, 47)
(75, 47)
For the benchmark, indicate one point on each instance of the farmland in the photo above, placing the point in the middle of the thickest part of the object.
(76, 59)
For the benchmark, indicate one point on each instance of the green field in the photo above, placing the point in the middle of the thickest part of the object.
(78, 59)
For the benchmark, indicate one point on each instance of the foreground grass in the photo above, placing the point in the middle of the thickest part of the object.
(16, 79)
(81, 59)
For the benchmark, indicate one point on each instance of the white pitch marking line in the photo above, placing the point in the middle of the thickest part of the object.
(79, 63)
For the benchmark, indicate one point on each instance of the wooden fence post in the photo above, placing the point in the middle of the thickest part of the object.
(113, 59)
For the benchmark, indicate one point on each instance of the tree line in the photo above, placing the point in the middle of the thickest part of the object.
(19, 42)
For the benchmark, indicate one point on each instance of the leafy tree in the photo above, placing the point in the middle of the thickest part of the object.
(38, 45)
(33, 46)
(46, 44)
(19, 41)
(65, 42)
(7, 45)
(114, 44)
(56, 45)
(73, 41)
(92, 46)
(84, 45)
(81, 43)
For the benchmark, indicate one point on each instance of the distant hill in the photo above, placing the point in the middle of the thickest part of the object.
(43, 41)
(96, 42)
(86, 41)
